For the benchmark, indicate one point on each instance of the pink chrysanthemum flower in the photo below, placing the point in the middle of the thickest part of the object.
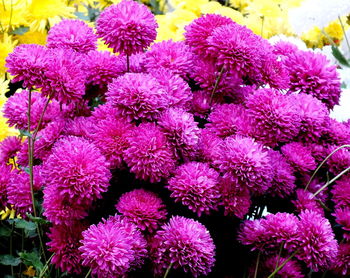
(306, 201)
(15, 110)
(28, 63)
(316, 244)
(299, 156)
(247, 161)
(113, 247)
(228, 119)
(336, 133)
(186, 244)
(181, 130)
(79, 126)
(64, 243)
(77, 169)
(9, 147)
(198, 31)
(143, 208)
(290, 270)
(127, 27)
(339, 161)
(149, 155)
(137, 96)
(111, 137)
(342, 261)
(268, 234)
(195, 185)
(341, 192)
(235, 198)
(178, 91)
(342, 217)
(284, 48)
(274, 73)
(313, 117)
(172, 56)
(72, 34)
(65, 76)
(5, 174)
(313, 74)
(200, 105)
(210, 147)
(283, 181)
(275, 117)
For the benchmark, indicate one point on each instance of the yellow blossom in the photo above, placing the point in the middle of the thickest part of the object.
(188, 5)
(32, 37)
(12, 14)
(6, 47)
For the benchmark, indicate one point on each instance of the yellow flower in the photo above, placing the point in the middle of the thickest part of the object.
(239, 4)
(35, 37)
(41, 13)
(12, 14)
(6, 47)
(101, 46)
(210, 7)
(231, 13)
(189, 5)
(5, 130)
(4, 88)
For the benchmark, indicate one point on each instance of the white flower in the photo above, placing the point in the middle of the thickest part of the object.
(341, 112)
(296, 41)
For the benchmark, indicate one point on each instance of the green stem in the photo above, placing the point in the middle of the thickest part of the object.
(35, 133)
(168, 270)
(262, 25)
(218, 79)
(88, 274)
(257, 265)
(279, 255)
(282, 265)
(46, 266)
(342, 27)
(323, 162)
(331, 181)
(11, 245)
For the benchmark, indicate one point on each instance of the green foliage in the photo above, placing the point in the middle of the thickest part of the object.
(28, 227)
(32, 259)
(20, 30)
(9, 260)
(339, 56)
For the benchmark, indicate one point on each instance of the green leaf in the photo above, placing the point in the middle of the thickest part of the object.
(82, 16)
(9, 260)
(5, 232)
(23, 132)
(339, 56)
(20, 30)
(23, 224)
(33, 259)
(38, 220)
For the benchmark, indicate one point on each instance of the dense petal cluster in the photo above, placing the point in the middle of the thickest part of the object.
(9, 148)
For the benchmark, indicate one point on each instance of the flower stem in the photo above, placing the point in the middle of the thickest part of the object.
(46, 266)
(342, 27)
(279, 255)
(88, 274)
(35, 133)
(127, 63)
(282, 265)
(218, 79)
(323, 162)
(11, 245)
(168, 270)
(257, 265)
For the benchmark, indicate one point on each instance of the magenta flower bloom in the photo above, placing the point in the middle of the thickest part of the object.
(283, 181)
(275, 117)
(172, 56)
(228, 119)
(28, 63)
(72, 34)
(9, 148)
(149, 155)
(342, 261)
(312, 73)
(127, 27)
(317, 254)
(79, 126)
(178, 91)
(336, 133)
(339, 161)
(195, 185)
(64, 76)
(210, 146)
(5, 174)
(77, 169)
(15, 110)
(290, 270)
(306, 201)
(64, 243)
(198, 31)
(200, 105)
(341, 192)
(186, 243)
(181, 130)
(137, 96)
(299, 156)
(143, 208)
(274, 73)
(247, 161)
(112, 247)
(342, 217)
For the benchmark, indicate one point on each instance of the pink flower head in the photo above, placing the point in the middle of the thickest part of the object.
(275, 117)
(228, 119)
(316, 243)
(299, 156)
(111, 137)
(198, 31)
(210, 146)
(172, 56)
(200, 103)
(112, 247)
(178, 91)
(149, 155)
(64, 243)
(247, 161)
(313, 74)
(28, 63)
(274, 73)
(181, 130)
(341, 192)
(186, 244)
(342, 261)
(9, 148)
(64, 76)
(137, 96)
(5, 174)
(339, 161)
(77, 169)
(337, 133)
(283, 181)
(290, 270)
(72, 34)
(342, 217)
(195, 185)
(143, 208)
(127, 27)
(79, 126)
(306, 201)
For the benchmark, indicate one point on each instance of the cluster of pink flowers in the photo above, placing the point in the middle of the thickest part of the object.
(216, 124)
